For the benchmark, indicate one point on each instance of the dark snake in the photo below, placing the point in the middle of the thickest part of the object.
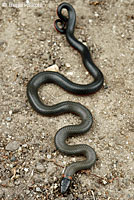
(66, 27)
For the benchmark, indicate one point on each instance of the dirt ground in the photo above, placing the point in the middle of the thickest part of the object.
(30, 165)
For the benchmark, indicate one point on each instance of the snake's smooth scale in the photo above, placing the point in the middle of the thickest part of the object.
(67, 28)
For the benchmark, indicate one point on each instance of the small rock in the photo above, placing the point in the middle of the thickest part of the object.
(40, 167)
(38, 189)
(74, 159)
(104, 182)
(49, 156)
(90, 20)
(45, 56)
(70, 73)
(13, 146)
(99, 193)
(85, 43)
(13, 159)
(26, 169)
(40, 29)
(53, 68)
(17, 182)
(3, 45)
(11, 165)
(51, 169)
(96, 15)
(55, 186)
(101, 137)
(27, 192)
(67, 65)
(111, 144)
(10, 112)
(105, 86)
(8, 119)
(24, 145)
(1, 193)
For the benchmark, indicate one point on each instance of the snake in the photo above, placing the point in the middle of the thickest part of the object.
(65, 25)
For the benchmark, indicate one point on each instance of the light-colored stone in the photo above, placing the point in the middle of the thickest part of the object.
(12, 146)
(67, 65)
(53, 68)
(40, 167)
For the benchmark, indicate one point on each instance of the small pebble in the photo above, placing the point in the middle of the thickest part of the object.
(96, 15)
(90, 20)
(24, 145)
(10, 112)
(111, 144)
(40, 167)
(12, 146)
(17, 182)
(67, 65)
(13, 158)
(104, 182)
(85, 43)
(101, 137)
(50, 169)
(105, 86)
(55, 186)
(53, 68)
(26, 169)
(49, 156)
(99, 193)
(38, 189)
(11, 165)
(9, 119)
(27, 192)
(74, 159)
(70, 73)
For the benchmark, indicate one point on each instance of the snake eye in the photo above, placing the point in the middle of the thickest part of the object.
(65, 183)
(60, 26)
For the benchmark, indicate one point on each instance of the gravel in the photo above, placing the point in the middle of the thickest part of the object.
(30, 166)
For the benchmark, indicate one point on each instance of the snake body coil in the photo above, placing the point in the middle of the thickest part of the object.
(67, 28)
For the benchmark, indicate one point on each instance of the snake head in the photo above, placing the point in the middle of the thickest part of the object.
(65, 183)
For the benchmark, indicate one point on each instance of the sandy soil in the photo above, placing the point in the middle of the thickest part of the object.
(30, 165)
